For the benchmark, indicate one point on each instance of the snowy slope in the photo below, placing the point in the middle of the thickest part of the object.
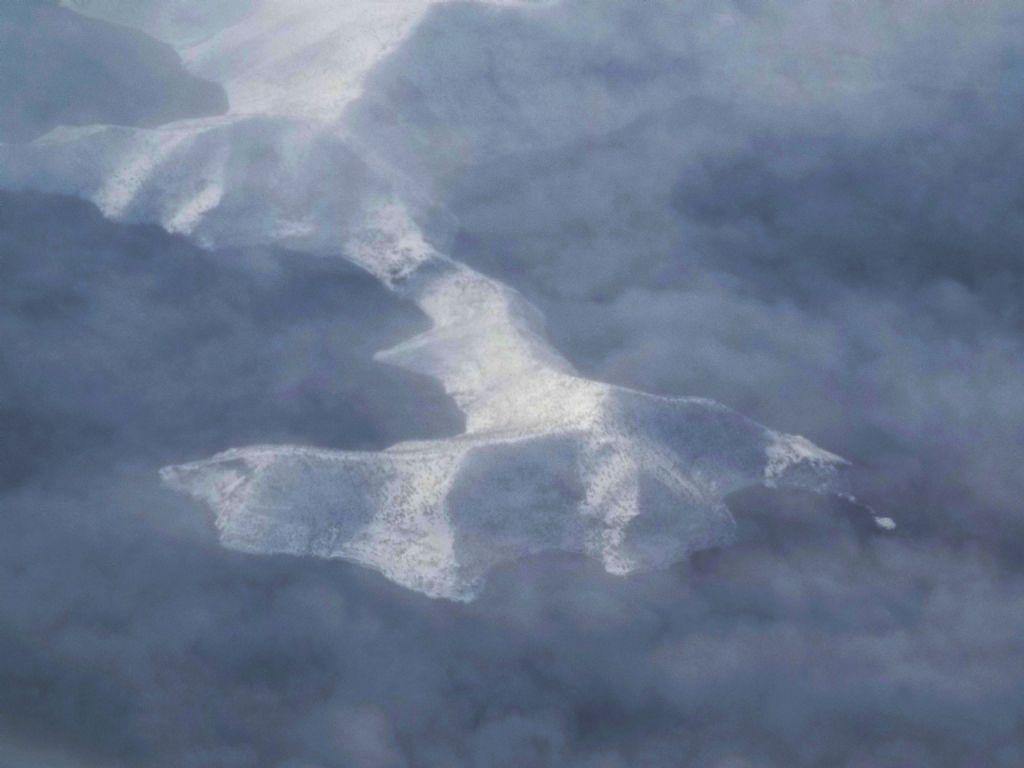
(550, 461)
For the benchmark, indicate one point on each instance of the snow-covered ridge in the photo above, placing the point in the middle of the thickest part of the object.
(550, 461)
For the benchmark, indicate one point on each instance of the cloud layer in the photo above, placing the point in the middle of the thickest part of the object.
(811, 212)
(808, 212)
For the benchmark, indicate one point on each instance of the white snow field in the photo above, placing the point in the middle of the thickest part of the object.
(549, 462)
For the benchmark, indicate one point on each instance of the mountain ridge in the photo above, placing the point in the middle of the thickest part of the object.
(550, 461)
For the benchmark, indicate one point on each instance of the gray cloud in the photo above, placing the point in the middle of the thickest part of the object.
(125, 342)
(812, 213)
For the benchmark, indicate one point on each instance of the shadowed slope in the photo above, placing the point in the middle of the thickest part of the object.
(59, 68)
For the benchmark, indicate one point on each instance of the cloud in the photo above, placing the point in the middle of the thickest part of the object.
(809, 213)
(169, 649)
(828, 242)
(142, 347)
